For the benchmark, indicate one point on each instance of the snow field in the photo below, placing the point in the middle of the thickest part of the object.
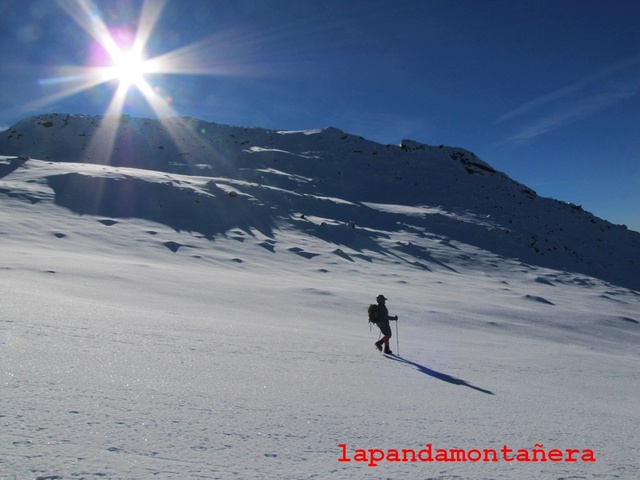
(124, 359)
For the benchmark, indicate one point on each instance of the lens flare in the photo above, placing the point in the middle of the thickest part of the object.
(129, 68)
(117, 54)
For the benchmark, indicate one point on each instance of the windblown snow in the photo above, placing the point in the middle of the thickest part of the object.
(183, 299)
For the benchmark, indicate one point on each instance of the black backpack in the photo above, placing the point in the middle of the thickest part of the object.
(373, 312)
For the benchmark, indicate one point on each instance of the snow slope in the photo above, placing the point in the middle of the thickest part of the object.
(206, 319)
(324, 174)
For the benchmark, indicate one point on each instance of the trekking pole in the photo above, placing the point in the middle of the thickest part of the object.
(397, 339)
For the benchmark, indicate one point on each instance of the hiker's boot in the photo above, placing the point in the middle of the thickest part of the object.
(388, 351)
(378, 345)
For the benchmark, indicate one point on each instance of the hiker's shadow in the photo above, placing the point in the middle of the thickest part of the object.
(440, 376)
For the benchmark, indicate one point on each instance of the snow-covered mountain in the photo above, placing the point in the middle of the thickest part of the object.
(182, 299)
(209, 178)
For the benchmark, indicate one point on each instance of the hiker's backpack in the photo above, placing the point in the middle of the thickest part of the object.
(373, 311)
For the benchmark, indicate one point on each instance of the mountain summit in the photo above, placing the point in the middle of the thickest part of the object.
(341, 190)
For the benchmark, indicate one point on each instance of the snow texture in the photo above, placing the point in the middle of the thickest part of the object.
(188, 300)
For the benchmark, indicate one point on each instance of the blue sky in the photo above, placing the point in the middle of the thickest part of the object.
(546, 91)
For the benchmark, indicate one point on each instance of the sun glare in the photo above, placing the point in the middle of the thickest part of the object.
(129, 68)
(118, 55)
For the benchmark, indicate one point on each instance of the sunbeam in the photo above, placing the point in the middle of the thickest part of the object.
(72, 80)
(119, 56)
(127, 63)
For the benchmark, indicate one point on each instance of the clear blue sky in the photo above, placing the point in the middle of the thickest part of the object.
(545, 90)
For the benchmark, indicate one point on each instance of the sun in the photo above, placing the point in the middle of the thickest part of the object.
(129, 68)
(117, 55)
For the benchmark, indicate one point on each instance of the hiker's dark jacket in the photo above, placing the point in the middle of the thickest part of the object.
(383, 320)
(383, 315)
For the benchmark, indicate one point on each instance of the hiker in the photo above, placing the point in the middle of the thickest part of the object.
(383, 324)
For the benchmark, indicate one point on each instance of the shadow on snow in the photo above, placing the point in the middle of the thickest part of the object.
(440, 376)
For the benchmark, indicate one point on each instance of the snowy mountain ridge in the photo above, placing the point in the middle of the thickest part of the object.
(345, 190)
